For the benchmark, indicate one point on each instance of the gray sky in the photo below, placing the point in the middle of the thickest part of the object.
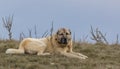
(78, 15)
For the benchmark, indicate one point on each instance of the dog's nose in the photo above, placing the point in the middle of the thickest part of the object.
(64, 41)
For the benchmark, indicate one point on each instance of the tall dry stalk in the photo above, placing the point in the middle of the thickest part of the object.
(22, 36)
(98, 36)
(74, 39)
(7, 23)
(84, 39)
(51, 30)
(117, 39)
(45, 34)
(35, 31)
(30, 33)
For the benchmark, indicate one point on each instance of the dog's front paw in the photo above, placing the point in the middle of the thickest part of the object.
(82, 56)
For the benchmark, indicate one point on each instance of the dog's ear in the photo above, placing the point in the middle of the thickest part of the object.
(70, 31)
(57, 32)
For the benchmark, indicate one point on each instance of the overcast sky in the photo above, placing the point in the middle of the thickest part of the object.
(78, 15)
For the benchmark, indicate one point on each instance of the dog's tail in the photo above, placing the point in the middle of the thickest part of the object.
(16, 51)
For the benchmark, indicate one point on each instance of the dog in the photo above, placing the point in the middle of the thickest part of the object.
(60, 42)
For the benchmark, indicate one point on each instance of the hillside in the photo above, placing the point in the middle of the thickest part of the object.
(100, 57)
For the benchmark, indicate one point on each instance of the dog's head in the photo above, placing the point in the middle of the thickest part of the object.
(63, 36)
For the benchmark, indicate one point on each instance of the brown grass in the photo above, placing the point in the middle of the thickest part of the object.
(100, 57)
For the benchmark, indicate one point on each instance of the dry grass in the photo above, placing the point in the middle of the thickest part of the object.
(100, 57)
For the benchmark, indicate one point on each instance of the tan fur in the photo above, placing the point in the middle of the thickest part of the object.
(48, 45)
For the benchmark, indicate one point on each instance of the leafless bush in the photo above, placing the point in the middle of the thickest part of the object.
(45, 34)
(30, 33)
(84, 39)
(7, 23)
(117, 40)
(51, 30)
(35, 31)
(74, 39)
(22, 36)
(98, 36)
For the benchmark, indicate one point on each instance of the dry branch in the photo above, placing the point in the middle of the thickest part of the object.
(98, 36)
(35, 31)
(117, 39)
(74, 39)
(30, 33)
(7, 23)
(22, 36)
(45, 34)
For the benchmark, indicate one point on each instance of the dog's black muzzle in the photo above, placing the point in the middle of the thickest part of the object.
(63, 41)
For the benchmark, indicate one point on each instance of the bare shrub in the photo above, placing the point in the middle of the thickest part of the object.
(51, 30)
(84, 39)
(117, 40)
(30, 32)
(7, 23)
(45, 34)
(35, 31)
(73, 39)
(22, 36)
(98, 36)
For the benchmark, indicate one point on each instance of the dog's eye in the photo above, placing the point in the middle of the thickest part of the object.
(67, 33)
(61, 34)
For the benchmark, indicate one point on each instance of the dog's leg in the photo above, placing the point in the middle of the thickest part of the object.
(79, 54)
(42, 54)
(71, 55)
